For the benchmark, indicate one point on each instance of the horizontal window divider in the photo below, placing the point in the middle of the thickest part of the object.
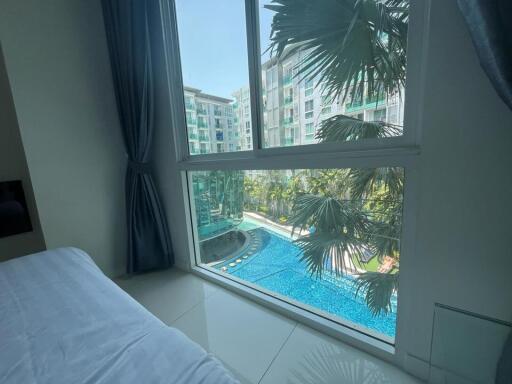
(294, 158)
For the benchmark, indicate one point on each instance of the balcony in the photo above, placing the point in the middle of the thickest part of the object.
(288, 100)
(192, 136)
(287, 80)
(217, 113)
(191, 122)
(190, 106)
(202, 123)
(204, 138)
(288, 120)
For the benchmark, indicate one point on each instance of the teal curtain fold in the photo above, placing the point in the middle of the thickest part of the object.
(127, 28)
(490, 25)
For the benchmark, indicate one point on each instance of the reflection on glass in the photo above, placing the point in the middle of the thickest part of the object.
(326, 239)
(213, 48)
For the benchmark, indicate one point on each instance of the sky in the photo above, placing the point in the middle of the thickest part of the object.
(213, 44)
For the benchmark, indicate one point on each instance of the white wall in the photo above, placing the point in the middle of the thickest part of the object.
(463, 245)
(13, 166)
(58, 67)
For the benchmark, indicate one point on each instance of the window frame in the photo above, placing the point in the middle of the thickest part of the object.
(400, 151)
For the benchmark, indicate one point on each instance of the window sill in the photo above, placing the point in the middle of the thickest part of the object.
(367, 343)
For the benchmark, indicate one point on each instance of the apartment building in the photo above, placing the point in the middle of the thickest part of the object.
(210, 123)
(294, 108)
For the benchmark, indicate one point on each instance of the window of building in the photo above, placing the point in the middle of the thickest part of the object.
(308, 109)
(310, 129)
(337, 187)
(379, 114)
(308, 87)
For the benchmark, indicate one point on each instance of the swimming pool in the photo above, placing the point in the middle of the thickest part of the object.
(272, 262)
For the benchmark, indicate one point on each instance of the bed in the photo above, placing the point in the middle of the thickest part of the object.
(63, 321)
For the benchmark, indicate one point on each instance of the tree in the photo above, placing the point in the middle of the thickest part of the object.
(357, 49)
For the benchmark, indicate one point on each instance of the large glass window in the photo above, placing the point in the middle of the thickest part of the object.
(213, 47)
(327, 239)
(319, 223)
(358, 71)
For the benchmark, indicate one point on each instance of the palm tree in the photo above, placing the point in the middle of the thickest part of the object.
(357, 49)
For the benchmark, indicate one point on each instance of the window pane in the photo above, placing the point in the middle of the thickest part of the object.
(213, 47)
(347, 235)
(335, 78)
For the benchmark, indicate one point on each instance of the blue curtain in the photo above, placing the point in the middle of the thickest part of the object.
(490, 25)
(127, 27)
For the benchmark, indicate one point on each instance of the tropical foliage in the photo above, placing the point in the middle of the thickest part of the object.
(357, 50)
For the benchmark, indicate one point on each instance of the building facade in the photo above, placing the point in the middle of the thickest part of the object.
(210, 123)
(294, 109)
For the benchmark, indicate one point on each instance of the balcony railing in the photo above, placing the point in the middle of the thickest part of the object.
(288, 100)
(288, 141)
(202, 111)
(288, 120)
(191, 122)
(202, 124)
(204, 138)
(190, 106)
(217, 113)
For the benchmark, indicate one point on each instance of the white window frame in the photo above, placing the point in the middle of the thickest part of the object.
(400, 151)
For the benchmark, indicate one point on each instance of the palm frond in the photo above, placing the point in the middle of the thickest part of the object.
(328, 250)
(346, 128)
(328, 214)
(364, 181)
(377, 289)
(349, 45)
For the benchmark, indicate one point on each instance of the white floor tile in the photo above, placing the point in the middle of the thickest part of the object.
(309, 357)
(244, 335)
(167, 294)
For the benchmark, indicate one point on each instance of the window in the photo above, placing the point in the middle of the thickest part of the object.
(214, 60)
(310, 129)
(379, 115)
(252, 238)
(308, 87)
(317, 224)
(308, 109)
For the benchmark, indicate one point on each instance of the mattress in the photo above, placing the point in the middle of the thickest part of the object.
(63, 321)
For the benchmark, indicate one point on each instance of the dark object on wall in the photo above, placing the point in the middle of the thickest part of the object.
(14, 216)
(489, 22)
(127, 27)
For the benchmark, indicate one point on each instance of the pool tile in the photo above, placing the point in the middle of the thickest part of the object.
(243, 335)
(309, 357)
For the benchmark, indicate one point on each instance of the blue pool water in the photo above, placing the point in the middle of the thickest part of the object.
(272, 262)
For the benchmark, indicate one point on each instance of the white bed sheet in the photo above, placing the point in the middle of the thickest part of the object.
(63, 321)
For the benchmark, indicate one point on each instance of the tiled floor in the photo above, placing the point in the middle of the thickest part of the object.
(256, 344)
